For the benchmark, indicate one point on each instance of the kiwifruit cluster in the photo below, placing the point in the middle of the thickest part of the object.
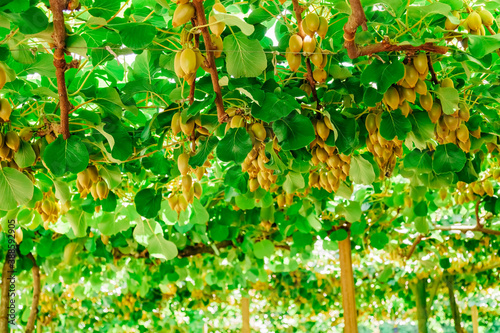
(312, 25)
(402, 95)
(451, 128)
(474, 23)
(50, 208)
(179, 200)
(384, 151)
(255, 162)
(187, 62)
(89, 181)
(469, 192)
(336, 166)
(192, 128)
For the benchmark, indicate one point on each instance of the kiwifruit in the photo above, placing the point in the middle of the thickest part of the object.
(183, 14)
(323, 27)
(319, 75)
(474, 21)
(317, 58)
(183, 163)
(309, 44)
(259, 131)
(5, 109)
(295, 43)
(188, 61)
(12, 140)
(420, 63)
(391, 98)
(486, 17)
(293, 59)
(312, 21)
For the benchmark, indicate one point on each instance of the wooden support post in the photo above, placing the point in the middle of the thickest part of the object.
(5, 302)
(245, 315)
(420, 297)
(347, 283)
(475, 317)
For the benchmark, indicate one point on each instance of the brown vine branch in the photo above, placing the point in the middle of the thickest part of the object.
(202, 21)
(431, 69)
(478, 227)
(414, 246)
(358, 19)
(309, 77)
(455, 311)
(59, 37)
(36, 295)
(192, 88)
(4, 305)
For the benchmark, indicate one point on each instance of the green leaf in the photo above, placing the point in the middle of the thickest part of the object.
(419, 161)
(32, 21)
(263, 249)
(294, 131)
(347, 130)
(379, 240)
(77, 222)
(361, 171)
(235, 145)
(293, 182)
(394, 124)
(358, 228)
(339, 235)
(161, 248)
(15, 189)
(76, 44)
(421, 224)
(148, 202)
(383, 75)
(111, 174)
(260, 15)
(63, 156)
(137, 35)
(448, 158)
(445, 263)
(449, 98)
(104, 8)
(204, 149)
(274, 107)
(351, 211)
(244, 57)
(479, 46)
(232, 20)
(25, 156)
(63, 193)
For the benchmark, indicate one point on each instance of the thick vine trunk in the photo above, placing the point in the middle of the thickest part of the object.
(36, 295)
(421, 301)
(347, 283)
(4, 305)
(455, 311)
(245, 315)
(475, 317)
